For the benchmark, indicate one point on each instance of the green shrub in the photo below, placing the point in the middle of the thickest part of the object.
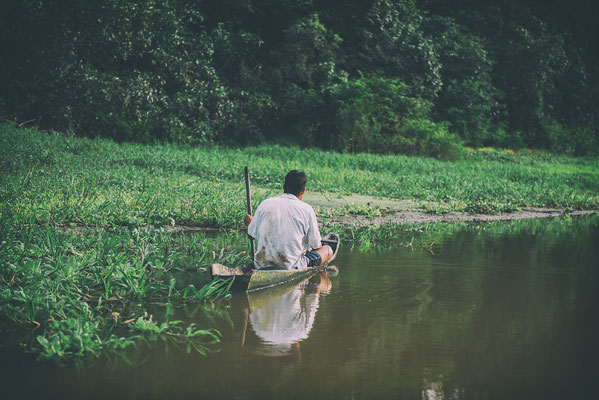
(576, 141)
(277, 72)
(378, 115)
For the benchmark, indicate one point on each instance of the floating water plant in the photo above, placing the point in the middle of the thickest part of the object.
(84, 293)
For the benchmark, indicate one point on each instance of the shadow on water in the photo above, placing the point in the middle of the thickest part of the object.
(470, 311)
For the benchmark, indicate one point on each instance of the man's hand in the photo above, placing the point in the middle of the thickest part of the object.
(248, 219)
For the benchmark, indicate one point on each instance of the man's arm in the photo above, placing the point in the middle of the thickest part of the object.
(247, 221)
(313, 232)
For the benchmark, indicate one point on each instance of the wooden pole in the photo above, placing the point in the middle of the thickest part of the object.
(248, 193)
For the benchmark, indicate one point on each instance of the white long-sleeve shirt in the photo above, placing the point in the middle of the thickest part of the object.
(284, 228)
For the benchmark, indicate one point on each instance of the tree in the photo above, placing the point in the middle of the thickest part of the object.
(468, 100)
(385, 36)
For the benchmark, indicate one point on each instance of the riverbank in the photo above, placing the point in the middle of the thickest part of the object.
(51, 178)
(399, 217)
(89, 258)
(358, 211)
(363, 211)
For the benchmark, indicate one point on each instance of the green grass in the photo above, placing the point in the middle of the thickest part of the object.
(84, 293)
(79, 293)
(64, 180)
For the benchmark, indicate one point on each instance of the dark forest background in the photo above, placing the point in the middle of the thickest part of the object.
(404, 76)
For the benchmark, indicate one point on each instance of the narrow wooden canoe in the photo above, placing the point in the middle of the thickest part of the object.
(256, 279)
(249, 279)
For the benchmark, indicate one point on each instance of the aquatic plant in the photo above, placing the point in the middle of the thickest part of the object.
(87, 292)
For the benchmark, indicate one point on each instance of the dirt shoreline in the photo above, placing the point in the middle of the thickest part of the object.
(415, 217)
(392, 217)
(394, 211)
(412, 217)
(335, 209)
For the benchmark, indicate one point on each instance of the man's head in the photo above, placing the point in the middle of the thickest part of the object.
(295, 183)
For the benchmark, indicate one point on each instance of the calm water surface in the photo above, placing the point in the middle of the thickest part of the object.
(495, 311)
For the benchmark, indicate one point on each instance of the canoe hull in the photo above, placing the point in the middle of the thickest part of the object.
(255, 279)
(259, 280)
(251, 280)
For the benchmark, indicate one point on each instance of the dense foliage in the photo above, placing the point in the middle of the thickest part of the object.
(405, 76)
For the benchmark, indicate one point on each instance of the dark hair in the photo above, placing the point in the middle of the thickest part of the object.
(295, 182)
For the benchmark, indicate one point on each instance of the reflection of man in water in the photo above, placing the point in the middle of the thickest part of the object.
(283, 323)
(285, 228)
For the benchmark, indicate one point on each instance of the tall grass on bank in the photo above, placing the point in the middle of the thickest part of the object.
(88, 292)
(49, 177)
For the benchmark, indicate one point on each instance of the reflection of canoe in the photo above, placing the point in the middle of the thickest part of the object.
(259, 298)
(256, 279)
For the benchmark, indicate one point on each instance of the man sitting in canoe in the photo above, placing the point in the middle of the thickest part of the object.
(285, 229)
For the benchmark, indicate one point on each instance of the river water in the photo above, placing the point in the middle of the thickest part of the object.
(502, 310)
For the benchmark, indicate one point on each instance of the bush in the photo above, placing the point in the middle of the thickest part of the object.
(376, 114)
(576, 141)
(277, 71)
(126, 70)
(433, 139)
